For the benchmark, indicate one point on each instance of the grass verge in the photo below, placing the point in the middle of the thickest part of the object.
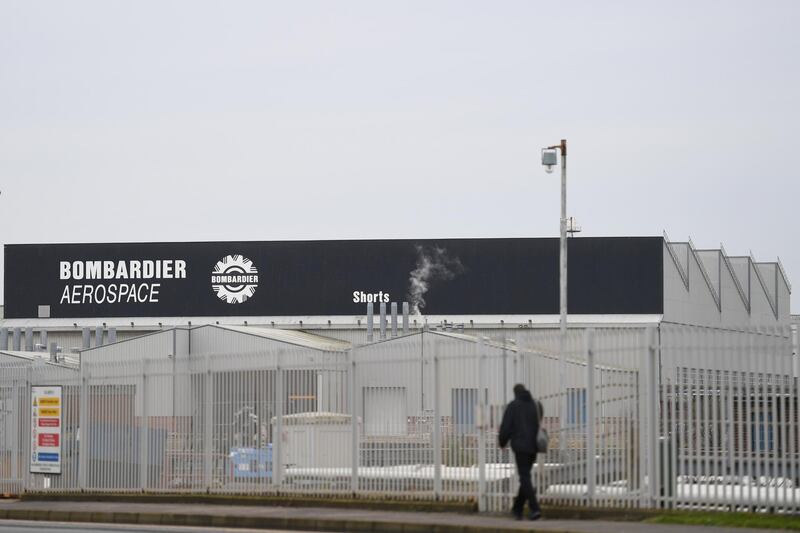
(728, 520)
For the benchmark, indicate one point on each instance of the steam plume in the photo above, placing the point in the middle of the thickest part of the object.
(433, 264)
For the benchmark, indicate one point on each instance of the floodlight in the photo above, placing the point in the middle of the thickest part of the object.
(549, 159)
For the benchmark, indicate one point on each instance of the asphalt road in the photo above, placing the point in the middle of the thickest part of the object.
(19, 526)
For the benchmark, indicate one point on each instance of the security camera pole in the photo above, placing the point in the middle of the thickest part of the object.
(549, 160)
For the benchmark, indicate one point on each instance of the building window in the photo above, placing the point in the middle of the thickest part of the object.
(576, 406)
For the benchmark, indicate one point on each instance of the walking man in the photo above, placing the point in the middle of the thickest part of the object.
(520, 426)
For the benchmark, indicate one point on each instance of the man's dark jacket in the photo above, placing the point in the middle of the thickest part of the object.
(520, 424)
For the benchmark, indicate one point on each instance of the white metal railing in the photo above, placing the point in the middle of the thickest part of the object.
(676, 417)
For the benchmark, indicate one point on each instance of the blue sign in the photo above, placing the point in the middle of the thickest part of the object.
(49, 457)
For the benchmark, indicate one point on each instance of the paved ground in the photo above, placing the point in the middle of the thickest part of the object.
(314, 518)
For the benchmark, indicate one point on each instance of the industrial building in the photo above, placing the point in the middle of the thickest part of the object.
(81, 295)
(382, 368)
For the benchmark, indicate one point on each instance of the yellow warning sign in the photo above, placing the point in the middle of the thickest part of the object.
(49, 400)
(49, 411)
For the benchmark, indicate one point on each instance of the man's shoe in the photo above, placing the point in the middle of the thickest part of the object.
(534, 516)
(516, 514)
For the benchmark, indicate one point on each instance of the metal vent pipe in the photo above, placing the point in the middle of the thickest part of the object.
(394, 319)
(370, 321)
(112, 335)
(98, 336)
(16, 341)
(43, 338)
(87, 338)
(405, 317)
(383, 320)
(28, 339)
(3, 338)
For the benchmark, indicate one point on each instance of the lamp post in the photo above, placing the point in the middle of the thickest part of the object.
(550, 160)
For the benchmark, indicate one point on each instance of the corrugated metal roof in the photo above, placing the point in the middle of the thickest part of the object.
(451, 334)
(512, 347)
(68, 362)
(30, 356)
(291, 336)
(472, 338)
(464, 337)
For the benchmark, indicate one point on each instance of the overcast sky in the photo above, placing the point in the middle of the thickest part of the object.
(185, 121)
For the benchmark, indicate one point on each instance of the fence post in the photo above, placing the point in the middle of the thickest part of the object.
(27, 477)
(481, 424)
(354, 457)
(728, 347)
(143, 429)
(208, 420)
(437, 429)
(591, 448)
(16, 420)
(648, 424)
(277, 436)
(795, 341)
(792, 426)
(83, 429)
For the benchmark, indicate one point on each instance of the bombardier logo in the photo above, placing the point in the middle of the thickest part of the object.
(234, 279)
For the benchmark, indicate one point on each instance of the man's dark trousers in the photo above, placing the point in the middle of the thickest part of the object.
(526, 491)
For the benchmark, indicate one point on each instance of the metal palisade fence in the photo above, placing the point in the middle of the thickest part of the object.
(670, 416)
